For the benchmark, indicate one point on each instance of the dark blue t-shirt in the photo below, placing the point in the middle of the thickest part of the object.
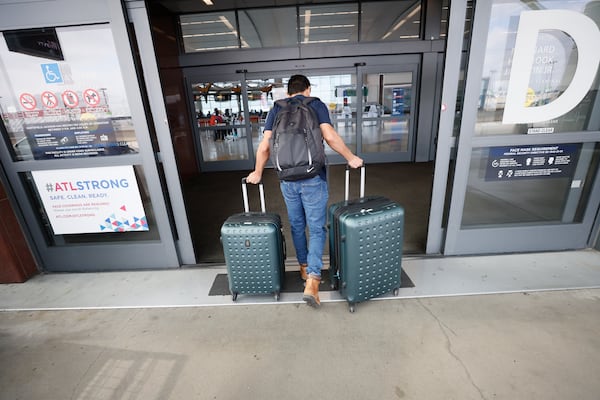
(322, 116)
(317, 105)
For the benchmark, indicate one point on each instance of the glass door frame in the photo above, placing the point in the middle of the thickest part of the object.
(287, 70)
(352, 65)
(540, 237)
(208, 74)
(407, 63)
(92, 256)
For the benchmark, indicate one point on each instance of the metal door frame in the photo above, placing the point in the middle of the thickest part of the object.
(355, 65)
(208, 74)
(485, 240)
(138, 15)
(411, 63)
(160, 253)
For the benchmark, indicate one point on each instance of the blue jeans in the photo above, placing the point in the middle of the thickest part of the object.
(306, 202)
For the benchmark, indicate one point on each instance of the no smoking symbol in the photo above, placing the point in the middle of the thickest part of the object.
(27, 101)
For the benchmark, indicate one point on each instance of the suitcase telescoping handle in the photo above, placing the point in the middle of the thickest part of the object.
(261, 189)
(347, 184)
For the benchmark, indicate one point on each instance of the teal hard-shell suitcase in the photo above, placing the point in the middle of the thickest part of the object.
(366, 242)
(254, 249)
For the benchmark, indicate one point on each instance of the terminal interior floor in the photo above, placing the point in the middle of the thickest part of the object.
(212, 197)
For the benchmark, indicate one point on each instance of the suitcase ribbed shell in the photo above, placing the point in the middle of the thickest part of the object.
(253, 252)
(373, 246)
(367, 247)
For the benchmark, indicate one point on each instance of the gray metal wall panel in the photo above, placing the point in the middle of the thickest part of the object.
(22, 15)
(427, 102)
(445, 140)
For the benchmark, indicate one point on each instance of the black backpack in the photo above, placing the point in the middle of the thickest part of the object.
(297, 150)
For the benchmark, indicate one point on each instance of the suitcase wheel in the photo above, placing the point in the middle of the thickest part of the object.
(396, 291)
(234, 296)
(334, 283)
(277, 296)
(351, 307)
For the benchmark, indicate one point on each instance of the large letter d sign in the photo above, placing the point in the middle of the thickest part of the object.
(585, 34)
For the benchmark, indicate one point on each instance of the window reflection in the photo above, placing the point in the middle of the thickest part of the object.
(210, 31)
(329, 24)
(273, 27)
(380, 24)
(308, 24)
(550, 73)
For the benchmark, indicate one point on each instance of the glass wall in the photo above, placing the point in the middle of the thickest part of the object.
(377, 21)
(66, 100)
(210, 31)
(329, 24)
(540, 78)
(67, 103)
(523, 86)
(529, 185)
(386, 114)
(379, 24)
(272, 27)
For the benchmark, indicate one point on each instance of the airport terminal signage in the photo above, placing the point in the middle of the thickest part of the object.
(64, 107)
(91, 200)
(38, 42)
(532, 162)
(66, 139)
(529, 58)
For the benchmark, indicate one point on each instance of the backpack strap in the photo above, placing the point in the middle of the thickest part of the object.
(284, 102)
(308, 100)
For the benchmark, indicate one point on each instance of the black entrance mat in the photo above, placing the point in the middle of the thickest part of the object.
(293, 283)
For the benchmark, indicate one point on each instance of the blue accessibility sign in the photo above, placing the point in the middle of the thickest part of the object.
(52, 73)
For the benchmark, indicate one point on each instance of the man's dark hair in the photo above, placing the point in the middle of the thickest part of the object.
(298, 84)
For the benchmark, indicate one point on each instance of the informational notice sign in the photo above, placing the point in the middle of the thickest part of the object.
(67, 139)
(91, 200)
(38, 42)
(529, 162)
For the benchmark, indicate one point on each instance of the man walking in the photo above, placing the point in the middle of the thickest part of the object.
(305, 199)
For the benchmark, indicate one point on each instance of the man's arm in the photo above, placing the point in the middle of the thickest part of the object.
(262, 156)
(335, 141)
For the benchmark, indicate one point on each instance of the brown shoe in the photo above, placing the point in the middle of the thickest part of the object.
(303, 273)
(311, 292)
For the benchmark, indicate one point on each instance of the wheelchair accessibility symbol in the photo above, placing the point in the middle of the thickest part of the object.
(52, 73)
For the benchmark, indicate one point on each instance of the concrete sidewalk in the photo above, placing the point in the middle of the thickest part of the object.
(520, 326)
(189, 287)
(541, 345)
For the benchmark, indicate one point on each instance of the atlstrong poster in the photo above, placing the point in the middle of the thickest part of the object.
(91, 200)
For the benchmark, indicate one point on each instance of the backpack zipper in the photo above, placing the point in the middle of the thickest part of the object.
(310, 163)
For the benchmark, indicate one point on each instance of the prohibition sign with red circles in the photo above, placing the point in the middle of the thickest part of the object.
(91, 97)
(70, 99)
(49, 99)
(27, 101)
